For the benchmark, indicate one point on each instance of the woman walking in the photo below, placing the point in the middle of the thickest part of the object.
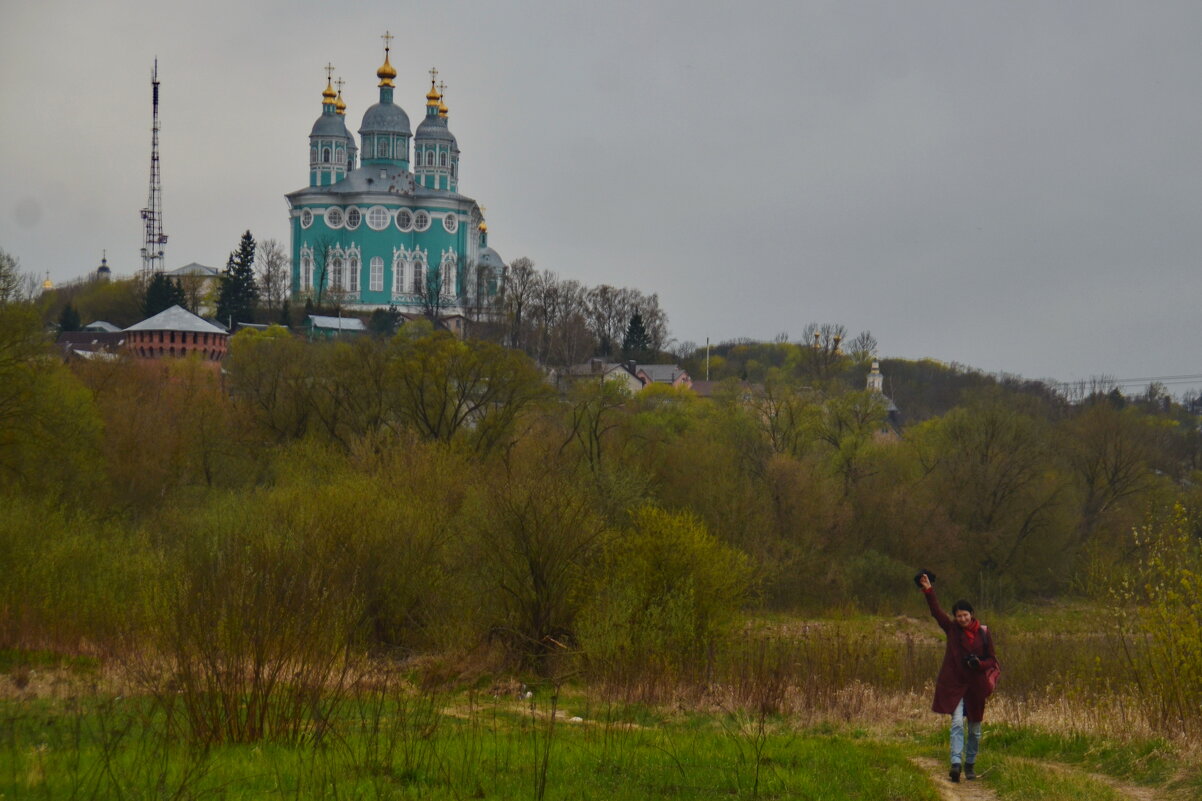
(966, 679)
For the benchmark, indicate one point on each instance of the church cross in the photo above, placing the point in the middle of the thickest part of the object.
(442, 87)
(433, 75)
(339, 83)
(329, 68)
(387, 37)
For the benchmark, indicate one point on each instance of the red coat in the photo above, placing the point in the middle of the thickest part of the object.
(956, 680)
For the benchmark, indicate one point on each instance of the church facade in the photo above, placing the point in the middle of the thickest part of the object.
(382, 221)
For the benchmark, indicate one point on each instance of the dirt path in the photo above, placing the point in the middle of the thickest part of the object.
(964, 791)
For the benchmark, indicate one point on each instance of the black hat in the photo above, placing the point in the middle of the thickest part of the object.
(924, 572)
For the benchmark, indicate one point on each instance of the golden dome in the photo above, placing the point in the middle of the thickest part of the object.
(327, 97)
(386, 72)
(340, 104)
(432, 96)
(483, 227)
(442, 109)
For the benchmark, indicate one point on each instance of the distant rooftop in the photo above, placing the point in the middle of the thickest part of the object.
(337, 323)
(195, 269)
(176, 318)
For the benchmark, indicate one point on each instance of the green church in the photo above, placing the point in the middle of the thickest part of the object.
(376, 227)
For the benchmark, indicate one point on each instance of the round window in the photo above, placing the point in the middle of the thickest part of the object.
(306, 218)
(450, 222)
(404, 220)
(353, 217)
(334, 217)
(378, 218)
(421, 221)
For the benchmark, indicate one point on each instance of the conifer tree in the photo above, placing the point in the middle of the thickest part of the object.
(161, 293)
(239, 296)
(637, 342)
(69, 320)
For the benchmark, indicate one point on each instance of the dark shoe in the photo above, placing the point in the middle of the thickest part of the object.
(955, 774)
(969, 773)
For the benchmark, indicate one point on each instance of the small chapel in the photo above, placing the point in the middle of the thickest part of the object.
(382, 222)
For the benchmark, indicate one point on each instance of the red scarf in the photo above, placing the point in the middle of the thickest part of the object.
(970, 632)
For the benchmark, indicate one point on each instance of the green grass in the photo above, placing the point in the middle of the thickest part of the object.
(452, 749)
(1148, 762)
(13, 660)
(1026, 781)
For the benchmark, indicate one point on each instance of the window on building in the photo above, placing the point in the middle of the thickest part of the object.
(419, 277)
(336, 273)
(378, 218)
(442, 159)
(325, 155)
(421, 221)
(377, 274)
(354, 274)
(429, 158)
(404, 219)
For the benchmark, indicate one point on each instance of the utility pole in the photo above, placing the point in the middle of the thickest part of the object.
(152, 216)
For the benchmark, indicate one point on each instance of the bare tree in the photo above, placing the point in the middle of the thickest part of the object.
(273, 264)
(11, 278)
(518, 292)
(862, 349)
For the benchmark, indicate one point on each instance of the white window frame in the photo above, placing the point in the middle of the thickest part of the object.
(377, 274)
(378, 218)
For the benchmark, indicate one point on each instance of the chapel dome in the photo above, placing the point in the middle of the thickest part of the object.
(435, 129)
(329, 125)
(385, 118)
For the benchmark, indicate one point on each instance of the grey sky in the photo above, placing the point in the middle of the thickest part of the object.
(1014, 186)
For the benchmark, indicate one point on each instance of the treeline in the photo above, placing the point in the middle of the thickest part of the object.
(432, 493)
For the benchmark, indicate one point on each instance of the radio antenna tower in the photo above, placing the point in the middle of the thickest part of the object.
(152, 215)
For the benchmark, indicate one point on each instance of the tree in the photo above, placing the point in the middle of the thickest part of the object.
(637, 344)
(384, 322)
(11, 279)
(68, 320)
(239, 295)
(449, 389)
(161, 293)
(273, 277)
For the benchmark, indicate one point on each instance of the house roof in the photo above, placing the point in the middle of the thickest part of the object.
(337, 323)
(195, 269)
(176, 318)
(100, 325)
(662, 373)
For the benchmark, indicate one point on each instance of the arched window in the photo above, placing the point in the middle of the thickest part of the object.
(442, 159)
(312, 154)
(429, 158)
(382, 148)
(419, 277)
(377, 274)
(336, 273)
(341, 156)
(325, 155)
(306, 276)
(354, 274)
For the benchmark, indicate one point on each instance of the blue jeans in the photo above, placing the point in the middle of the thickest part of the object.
(974, 737)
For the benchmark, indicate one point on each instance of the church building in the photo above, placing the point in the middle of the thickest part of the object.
(382, 222)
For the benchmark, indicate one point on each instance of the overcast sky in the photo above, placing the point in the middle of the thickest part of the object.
(1010, 185)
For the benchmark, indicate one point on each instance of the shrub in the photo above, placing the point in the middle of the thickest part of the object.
(665, 592)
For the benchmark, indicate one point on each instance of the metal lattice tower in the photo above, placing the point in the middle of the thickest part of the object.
(152, 215)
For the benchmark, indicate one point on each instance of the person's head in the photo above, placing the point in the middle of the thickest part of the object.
(962, 611)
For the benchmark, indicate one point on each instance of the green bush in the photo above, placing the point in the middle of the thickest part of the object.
(665, 592)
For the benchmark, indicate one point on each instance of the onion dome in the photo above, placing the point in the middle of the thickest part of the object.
(434, 127)
(103, 270)
(327, 97)
(340, 104)
(386, 72)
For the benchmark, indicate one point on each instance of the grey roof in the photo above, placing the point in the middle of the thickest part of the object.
(176, 318)
(368, 180)
(662, 373)
(490, 258)
(337, 323)
(100, 325)
(195, 269)
(385, 118)
(329, 125)
(436, 128)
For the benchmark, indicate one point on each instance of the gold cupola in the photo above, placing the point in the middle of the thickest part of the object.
(386, 72)
(327, 97)
(339, 103)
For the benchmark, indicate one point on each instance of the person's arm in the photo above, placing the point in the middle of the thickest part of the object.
(937, 612)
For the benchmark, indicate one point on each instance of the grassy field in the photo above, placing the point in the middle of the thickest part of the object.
(818, 709)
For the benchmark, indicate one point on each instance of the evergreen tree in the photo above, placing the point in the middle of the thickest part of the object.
(384, 322)
(69, 319)
(285, 314)
(161, 293)
(637, 344)
(239, 296)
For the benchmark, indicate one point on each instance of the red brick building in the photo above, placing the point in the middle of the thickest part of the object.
(176, 332)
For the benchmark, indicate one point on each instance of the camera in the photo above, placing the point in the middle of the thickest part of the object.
(972, 662)
(920, 574)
